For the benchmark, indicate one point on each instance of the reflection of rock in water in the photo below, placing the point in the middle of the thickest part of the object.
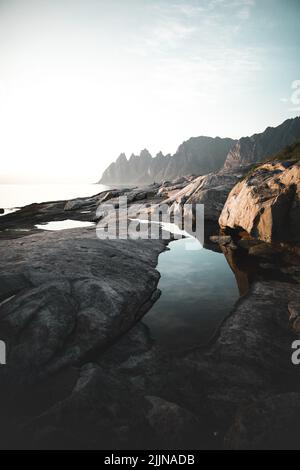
(242, 272)
(198, 291)
(252, 259)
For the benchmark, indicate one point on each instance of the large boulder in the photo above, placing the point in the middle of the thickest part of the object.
(266, 203)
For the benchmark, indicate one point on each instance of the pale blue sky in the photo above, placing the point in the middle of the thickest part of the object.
(83, 80)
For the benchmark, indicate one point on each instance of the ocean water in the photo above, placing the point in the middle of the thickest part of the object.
(64, 224)
(19, 195)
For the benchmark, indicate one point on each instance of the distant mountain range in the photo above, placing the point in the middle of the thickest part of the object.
(201, 155)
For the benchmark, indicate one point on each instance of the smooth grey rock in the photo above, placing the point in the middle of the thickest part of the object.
(79, 296)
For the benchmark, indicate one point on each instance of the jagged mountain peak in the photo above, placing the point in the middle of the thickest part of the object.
(145, 154)
(121, 158)
(202, 155)
(197, 155)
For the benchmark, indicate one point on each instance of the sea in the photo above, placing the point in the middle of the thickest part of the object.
(19, 195)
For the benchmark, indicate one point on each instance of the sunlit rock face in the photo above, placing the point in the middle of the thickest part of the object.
(266, 203)
(258, 147)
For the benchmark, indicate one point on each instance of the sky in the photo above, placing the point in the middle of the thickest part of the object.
(83, 80)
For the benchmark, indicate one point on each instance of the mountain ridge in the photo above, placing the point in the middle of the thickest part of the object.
(196, 155)
(201, 155)
(259, 146)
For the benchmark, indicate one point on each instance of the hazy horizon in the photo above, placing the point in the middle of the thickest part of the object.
(83, 81)
(42, 178)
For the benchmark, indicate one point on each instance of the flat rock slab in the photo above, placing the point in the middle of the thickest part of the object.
(67, 294)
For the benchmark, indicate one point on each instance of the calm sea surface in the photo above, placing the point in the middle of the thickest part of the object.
(18, 195)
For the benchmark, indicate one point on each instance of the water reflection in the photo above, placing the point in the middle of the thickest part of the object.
(64, 224)
(198, 290)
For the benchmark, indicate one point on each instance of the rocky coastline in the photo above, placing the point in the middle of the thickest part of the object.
(82, 370)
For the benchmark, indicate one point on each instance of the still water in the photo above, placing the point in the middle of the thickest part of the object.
(198, 286)
(64, 225)
(198, 291)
